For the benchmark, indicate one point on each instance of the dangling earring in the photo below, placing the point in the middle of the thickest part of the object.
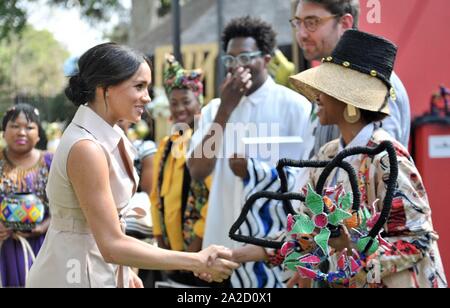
(352, 114)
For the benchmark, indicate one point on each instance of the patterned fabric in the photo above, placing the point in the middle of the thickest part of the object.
(195, 209)
(266, 219)
(411, 258)
(21, 212)
(176, 77)
(145, 149)
(179, 204)
(18, 180)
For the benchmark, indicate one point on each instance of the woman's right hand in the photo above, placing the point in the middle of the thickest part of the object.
(4, 233)
(215, 264)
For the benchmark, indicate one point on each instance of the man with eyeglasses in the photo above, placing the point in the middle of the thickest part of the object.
(319, 25)
(249, 96)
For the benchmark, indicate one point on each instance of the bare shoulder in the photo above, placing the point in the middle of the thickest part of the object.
(86, 157)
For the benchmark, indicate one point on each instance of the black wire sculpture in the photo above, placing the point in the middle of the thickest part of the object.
(338, 162)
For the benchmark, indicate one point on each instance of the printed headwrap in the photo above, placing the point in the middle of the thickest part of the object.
(176, 77)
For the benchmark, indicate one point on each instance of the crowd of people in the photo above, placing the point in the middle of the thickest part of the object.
(194, 183)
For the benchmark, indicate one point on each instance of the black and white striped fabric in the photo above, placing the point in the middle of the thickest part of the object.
(266, 220)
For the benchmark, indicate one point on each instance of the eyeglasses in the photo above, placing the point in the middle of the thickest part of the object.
(243, 59)
(312, 23)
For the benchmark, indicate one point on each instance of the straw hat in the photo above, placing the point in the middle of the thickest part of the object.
(357, 73)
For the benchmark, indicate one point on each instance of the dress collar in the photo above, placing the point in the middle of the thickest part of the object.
(109, 136)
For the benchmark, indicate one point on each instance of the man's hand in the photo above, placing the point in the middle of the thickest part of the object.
(215, 264)
(234, 88)
(238, 165)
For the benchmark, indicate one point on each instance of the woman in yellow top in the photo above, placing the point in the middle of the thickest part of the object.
(179, 204)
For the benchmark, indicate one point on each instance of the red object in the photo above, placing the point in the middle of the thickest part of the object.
(435, 174)
(420, 28)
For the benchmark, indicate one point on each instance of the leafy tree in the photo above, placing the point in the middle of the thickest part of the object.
(31, 65)
(12, 17)
(13, 13)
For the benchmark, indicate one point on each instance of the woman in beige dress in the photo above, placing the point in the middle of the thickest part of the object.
(92, 180)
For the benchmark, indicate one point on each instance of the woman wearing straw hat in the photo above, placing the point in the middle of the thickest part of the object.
(351, 89)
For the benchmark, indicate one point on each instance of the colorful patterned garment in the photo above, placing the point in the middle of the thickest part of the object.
(196, 209)
(179, 204)
(267, 219)
(17, 180)
(176, 77)
(411, 257)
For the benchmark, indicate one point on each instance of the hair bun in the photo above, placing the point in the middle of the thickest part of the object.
(77, 91)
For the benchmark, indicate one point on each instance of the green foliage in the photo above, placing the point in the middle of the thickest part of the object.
(164, 7)
(12, 18)
(31, 65)
(13, 13)
(93, 10)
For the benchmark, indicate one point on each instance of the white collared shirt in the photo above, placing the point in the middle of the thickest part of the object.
(271, 106)
(361, 140)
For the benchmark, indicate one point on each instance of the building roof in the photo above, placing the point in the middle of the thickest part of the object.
(200, 25)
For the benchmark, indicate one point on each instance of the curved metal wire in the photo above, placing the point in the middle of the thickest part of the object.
(329, 166)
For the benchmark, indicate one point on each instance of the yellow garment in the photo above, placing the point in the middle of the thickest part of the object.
(171, 191)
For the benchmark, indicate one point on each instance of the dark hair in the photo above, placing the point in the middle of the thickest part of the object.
(261, 31)
(42, 144)
(103, 66)
(372, 116)
(30, 112)
(340, 8)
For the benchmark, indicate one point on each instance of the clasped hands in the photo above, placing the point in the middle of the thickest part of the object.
(216, 264)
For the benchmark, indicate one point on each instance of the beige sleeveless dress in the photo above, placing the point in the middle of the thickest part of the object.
(69, 256)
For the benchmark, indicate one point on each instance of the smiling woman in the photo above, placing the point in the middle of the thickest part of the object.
(92, 181)
(23, 172)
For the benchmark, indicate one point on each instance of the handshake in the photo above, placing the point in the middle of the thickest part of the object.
(216, 264)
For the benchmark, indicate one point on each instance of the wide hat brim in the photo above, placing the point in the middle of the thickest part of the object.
(346, 85)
